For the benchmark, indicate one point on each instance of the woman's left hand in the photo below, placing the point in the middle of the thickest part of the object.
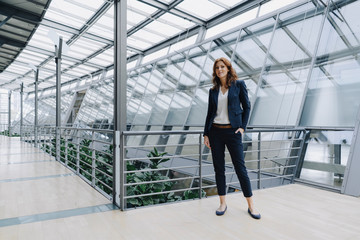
(241, 130)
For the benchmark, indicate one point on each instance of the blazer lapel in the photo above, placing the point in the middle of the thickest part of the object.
(216, 96)
(231, 89)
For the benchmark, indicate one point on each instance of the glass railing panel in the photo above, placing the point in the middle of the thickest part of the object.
(326, 157)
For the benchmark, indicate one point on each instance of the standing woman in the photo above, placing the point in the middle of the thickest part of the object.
(225, 124)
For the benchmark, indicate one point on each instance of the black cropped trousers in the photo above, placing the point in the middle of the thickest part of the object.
(219, 138)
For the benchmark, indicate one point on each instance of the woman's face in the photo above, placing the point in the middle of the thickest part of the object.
(221, 70)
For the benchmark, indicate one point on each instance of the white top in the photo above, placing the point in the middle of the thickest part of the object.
(222, 115)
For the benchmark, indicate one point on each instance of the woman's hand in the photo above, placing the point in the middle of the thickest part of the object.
(206, 141)
(241, 130)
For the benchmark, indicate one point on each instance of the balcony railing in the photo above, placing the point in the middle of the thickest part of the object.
(167, 166)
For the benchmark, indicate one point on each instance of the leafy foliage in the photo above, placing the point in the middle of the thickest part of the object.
(150, 177)
(193, 194)
(151, 185)
(147, 188)
(156, 158)
(6, 133)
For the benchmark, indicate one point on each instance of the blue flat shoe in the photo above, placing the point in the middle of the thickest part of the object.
(255, 216)
(220, 213)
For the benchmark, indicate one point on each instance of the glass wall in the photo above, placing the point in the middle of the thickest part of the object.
(300, 66)
(284, 75)
(96, 109)
(332, 97)
(46, 109)
(4, 110)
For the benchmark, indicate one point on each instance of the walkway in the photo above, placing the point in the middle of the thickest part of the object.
(40, 199)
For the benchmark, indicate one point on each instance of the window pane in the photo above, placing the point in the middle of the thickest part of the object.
(282, 84)
(334, 80)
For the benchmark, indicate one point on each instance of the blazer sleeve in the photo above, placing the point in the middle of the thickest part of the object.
(245, 103)
(208, 116)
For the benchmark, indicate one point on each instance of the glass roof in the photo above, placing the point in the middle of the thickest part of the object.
(155, 28)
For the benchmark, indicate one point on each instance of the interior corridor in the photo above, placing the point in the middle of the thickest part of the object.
(41, 199)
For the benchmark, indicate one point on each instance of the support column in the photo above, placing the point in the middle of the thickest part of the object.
(139, 61)
(21, 110)
(58, 96)
(9, 115)
(36, 109)
(351, 180)
(120, 77)
(201, 34)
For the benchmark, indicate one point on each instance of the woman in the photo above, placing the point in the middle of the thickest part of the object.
(225, 124)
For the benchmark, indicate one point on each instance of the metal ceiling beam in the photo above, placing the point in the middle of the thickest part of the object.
(11, 42)
(31, 19)
(93, 74)
(15, 35)
(82, 62)
(156, 4)
(4, 58)
(240, 8)
(154, 16)
(89, 23)
(144, 23)
(68, 29)
(9, 10)
(235, 11)
(67, 58)
(212, 22)
(64, 28)
(97, 15)
(170, 8)
(5, 20)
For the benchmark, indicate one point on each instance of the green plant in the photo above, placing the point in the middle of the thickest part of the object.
(150, 176)
(72, 155)
(50, 148)
(102, 164)
(6, 133)
(192, 194)
(85, 154)
(147, 188)
(156, 158)
(104, 172)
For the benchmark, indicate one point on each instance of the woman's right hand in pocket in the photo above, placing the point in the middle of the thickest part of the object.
(206, 141)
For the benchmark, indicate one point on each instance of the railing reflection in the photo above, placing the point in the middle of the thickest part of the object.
(325, 157)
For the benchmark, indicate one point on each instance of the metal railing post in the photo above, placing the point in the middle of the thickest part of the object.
(36, 122)
(39, 135)
(9, 115)
(93, 160)
(122, 171)
(66, 152)
(21, 111)
(120, 79)
(200, 166)
(58, 50)
(259, 158)
(299, 153)
(58, 144)
(118, 172)
(77, 152)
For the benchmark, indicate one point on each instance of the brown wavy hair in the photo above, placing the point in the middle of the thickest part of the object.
(231, 76)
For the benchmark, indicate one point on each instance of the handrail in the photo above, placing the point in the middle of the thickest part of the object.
(134, 133)
(199, 177)
(188, 172)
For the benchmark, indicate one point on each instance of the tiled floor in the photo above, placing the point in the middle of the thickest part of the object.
(40, 199)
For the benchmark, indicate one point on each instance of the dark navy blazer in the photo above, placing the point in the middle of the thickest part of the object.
(238, 116)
